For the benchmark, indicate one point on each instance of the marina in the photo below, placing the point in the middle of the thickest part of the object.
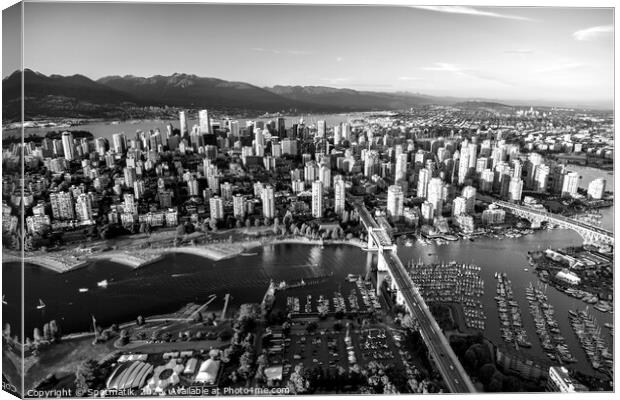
(452, 283)
(547, 327)
(588, 331)
(510, 314)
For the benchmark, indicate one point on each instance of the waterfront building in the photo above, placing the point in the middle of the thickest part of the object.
(596, 189)
(395, 200)
(317, 199)
(427, 211)
(68, 146)
(469, 193)
(570, 184)
(541, 175)
(238, 206)
(269, 202)
(493, 216)
(465, 222)
(435, 194)
(560, 381)
(216, 208)
(62, 206)
(84, 208)
(459, 206)
(339, 196)
(515, 189)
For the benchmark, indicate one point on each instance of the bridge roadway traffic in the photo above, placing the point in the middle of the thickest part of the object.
(453, 373)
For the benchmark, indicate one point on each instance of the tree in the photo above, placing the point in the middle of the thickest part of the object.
(7, 330)
(140, 320)
(86, 376)
(256, 222)
(486, 373)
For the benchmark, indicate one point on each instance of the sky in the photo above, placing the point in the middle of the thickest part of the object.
(563, 54)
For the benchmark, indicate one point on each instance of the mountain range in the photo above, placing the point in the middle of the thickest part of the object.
(126, 97)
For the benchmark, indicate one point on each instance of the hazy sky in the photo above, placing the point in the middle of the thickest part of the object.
(510, 53)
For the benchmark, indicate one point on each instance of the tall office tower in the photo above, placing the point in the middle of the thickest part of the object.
(533, 160)
(155, 140)
(424, 176)
(269, 202)
(259, 143)
(541, 175)
(339, 195)
(419, 157)
(138, 189)
(486, 180)
(62, 206)
(204, 122)
(395, 202)
(67, 146)
(459, 206)
(346, 131)
(481, 164)
(234, 129)
(238, 206)
(515, 189)
(169, 131)
(317, 199)
(183, 123)
(557, 178)
(192, 187)
(371, 162)
(321, 129)
(469, 193)
(570, 184)
(485, 148)
(325, 176)
(276, 150)
(400, 172)
(473, 156)
(463, 164)
(596, 189)
(517, 169)
(496, 156)
(130, 176)
(427, 212)
(434, 194)
(120, 143)
(100, 146)
(442, 154)
(289, 146)
(311, 172)
(281, 127)
(216, 208)
(337, 134)
(226, 191)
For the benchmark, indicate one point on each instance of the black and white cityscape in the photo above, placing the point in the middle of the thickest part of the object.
(236, 199)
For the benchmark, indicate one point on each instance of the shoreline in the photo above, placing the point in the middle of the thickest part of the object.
(141, 258)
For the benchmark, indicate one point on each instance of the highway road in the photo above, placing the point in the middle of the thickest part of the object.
(455, 377)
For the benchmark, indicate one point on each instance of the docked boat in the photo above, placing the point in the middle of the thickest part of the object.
(41, 305)
(249, 254)
(3, 300)
(83, 290)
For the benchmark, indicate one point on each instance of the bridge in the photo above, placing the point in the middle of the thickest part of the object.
(589, 233)
(407, 294)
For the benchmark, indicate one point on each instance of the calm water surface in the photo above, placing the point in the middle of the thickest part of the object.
(179, 278)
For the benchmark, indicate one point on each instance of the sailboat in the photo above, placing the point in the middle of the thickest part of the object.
(41, 305)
